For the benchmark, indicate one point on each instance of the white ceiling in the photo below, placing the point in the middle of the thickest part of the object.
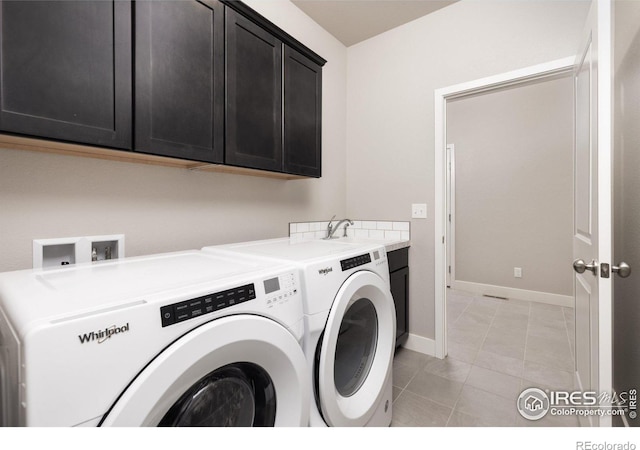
(354, 21)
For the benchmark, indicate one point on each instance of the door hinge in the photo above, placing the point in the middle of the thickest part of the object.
(449, 217)
(443, 239)
(449, 269)
(604, 270)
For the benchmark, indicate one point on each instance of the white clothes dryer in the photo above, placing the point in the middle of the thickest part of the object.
(350, 326)
(180, 339)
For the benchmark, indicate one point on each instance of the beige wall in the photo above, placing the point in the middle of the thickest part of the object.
(514, 186)
(390, 119)
(626, 308)
(164, 209)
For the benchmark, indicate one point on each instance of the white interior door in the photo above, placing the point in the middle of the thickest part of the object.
(592, 239)
(626, 308)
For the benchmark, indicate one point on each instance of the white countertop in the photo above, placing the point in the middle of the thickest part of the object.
(389, 244)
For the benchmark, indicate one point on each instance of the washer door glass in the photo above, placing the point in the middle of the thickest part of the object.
(236, 395)
(356, 346)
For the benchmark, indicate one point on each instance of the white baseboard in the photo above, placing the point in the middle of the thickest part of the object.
(520, 294)
(420, 344)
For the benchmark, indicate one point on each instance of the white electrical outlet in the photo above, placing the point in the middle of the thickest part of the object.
(517, 272)
(419, 211)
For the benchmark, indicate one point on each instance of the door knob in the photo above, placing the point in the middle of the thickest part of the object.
(580, 266)
(623, 270)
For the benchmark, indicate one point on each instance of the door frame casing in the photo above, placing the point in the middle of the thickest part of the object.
(605, 198)
(559, 67)
(450, 220)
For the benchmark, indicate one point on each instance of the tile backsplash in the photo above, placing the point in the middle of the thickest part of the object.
(364, 229)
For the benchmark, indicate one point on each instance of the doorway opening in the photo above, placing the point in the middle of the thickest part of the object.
(448, 270)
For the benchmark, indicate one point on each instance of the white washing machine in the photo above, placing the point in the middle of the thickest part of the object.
(180, 339)
(350, 326)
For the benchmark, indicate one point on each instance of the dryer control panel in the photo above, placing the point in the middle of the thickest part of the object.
(356, 261)
(280, 289)
(190, 309)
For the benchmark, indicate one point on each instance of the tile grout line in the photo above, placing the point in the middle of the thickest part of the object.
(524, 358)
(464, 383)
(549, 365)
(463, 311)
(521, 377)
(453, 408)
(514, 419)
(495, 314)
(423, 397)
(493, 318)
(404, 388)
(472, 364)
(410, 380)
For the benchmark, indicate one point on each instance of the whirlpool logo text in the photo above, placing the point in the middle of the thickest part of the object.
(325, 271)
(103, 335)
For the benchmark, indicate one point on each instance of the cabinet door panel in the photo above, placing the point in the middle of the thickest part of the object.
(180, 79)
(400, 292)
(302, 114)
(254, 95)
(66, 70)
(398, 259)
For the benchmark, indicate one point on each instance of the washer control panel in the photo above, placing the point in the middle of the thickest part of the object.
(190, 309)
(280, 289)
(355, 261)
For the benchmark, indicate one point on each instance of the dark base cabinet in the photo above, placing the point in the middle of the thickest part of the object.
(399, 278)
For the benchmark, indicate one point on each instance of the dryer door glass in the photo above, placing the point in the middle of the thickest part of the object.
(236, 395)
(356, 346)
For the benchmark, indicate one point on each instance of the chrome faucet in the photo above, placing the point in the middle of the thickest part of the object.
(331, 229)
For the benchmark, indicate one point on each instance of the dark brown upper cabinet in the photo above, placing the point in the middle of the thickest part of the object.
(302, 114)
(65, 71)
(179, 79)
(254, 95)
(274, 97)
(196, 80)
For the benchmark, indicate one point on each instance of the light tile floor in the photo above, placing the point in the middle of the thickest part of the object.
(497, 348)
